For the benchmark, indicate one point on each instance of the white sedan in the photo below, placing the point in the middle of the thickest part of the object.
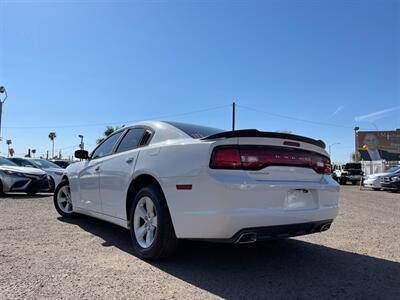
(166, 181)
(55, 172)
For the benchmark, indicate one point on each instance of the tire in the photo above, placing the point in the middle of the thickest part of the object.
(60, 194)
(342, 181)
(164, 242)
(355, 182)
(376, 189)
(1, 189)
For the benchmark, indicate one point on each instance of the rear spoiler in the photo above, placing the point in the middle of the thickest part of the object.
(264, 134)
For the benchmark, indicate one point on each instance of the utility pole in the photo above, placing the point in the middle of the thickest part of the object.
(330, 146)
(2, 91)
(233, 115)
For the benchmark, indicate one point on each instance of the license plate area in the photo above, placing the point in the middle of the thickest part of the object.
(298, 199)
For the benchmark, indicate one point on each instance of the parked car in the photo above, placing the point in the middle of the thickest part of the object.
(391, 182)
(14, 178)
(374, 181)
(55, 172)
(166, 181)
(62, 163)
(349, 172)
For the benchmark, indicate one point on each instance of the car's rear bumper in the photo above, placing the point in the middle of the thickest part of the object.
(220, 207)
(257, 234)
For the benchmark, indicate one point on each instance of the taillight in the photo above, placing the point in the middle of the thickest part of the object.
(258, 158)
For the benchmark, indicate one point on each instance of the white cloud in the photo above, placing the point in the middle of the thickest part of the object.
(376, 115)
(340, 108)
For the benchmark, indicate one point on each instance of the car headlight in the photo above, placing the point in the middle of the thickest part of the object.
(396, 178)
(13, 173)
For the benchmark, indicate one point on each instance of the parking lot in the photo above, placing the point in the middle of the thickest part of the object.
(45, 256)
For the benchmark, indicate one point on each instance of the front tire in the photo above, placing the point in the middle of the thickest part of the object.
(153, 235)
(62, 200)
(1, 189)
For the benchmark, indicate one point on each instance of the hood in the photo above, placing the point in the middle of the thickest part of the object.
(54, 170)
(24, 170)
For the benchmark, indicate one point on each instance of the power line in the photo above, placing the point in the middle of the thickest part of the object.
(119, 122)
(294, 118)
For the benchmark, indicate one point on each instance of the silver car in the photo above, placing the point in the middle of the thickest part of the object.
(21, 179)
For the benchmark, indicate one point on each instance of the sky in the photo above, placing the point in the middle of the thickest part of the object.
(315, 68)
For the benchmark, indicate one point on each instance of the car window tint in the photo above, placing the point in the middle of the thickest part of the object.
(131, 140)
(107, 146)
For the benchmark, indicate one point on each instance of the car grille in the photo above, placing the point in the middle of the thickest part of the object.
(385, 179)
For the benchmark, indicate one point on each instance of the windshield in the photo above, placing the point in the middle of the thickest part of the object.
(41, 163)
(353, 166)
(393, 169)
(6, 162)
(195, 131)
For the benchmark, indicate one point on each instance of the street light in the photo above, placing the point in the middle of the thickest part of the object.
(81, 145)
(2, 91)
(330, 146)
(355, 138)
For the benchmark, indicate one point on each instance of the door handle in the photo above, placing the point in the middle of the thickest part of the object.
(97, 168)
(129, 160)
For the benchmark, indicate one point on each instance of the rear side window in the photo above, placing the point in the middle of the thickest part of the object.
(131, 140)
(195, 131)
(107, 146)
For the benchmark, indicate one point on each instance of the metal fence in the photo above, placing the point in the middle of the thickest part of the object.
(377, 166)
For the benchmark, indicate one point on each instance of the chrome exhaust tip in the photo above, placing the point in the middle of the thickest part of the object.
(325, 227)
(247, 238)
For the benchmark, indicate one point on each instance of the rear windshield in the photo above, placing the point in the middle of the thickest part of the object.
(353, 166)
(195, 131)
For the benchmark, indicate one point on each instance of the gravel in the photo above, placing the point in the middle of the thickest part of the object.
(45, 256)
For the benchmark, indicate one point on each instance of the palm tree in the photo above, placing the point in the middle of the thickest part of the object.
(8, 142)
(108, 131)
(52, 136)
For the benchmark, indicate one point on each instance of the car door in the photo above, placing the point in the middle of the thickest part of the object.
(116, 173)
(89, 181)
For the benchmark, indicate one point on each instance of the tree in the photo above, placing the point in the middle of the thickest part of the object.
(107, 132)
(8, 142)
(356, 156)
(33, 152)
(284, 131)
(52, 136)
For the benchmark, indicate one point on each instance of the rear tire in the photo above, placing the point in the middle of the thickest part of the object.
(152, 233)
(62, 200)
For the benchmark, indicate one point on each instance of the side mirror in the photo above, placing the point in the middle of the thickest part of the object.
(81, 154)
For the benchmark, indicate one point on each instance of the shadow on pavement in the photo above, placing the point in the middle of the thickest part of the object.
(26, 196)
(278, 269)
